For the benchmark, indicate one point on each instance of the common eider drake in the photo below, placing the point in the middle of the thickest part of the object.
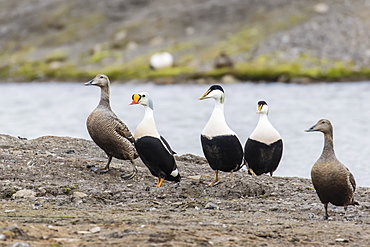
(108, 131)
(264, 147)
(333, 181)
(221, 146)
(153, 149)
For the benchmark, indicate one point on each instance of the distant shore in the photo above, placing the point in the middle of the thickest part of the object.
(299, 42)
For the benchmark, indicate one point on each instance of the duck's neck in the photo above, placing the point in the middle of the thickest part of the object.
(217, 124)
(263, 118)
(104, 97)
(218, 110)
(149, 114)
(147, 126)
(328, 150)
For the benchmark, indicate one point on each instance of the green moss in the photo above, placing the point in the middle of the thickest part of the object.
(56, 56)
(218, 73)
(98, 56)
(168, 72)
(67, 191)
(339, 70)
(269, 67)
(29, 71)
(8, 193)
(5, 71)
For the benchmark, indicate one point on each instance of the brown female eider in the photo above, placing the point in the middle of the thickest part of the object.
(333, 181)
(153, 149)
(264, 147)
(108, 131)
(221, 146)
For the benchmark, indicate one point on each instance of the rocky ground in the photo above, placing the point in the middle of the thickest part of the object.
(49, 198)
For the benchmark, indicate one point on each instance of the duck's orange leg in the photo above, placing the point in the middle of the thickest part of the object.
(160, 181)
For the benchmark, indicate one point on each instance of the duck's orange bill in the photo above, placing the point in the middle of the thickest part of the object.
(135, 99)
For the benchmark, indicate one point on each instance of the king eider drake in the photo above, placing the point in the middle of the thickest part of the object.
(264, 147)
(221, 146)
(108, 131)
(153, 149)
(333, 181)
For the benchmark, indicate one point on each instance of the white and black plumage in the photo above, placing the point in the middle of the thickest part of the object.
(153, 149)
(264, 148)
(108, 131)
(221, 146)
(333, 181)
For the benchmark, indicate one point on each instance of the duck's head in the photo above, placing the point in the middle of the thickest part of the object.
(323, 125)
(100, 80)
(216, 92)
(142, 99)
(262, 107)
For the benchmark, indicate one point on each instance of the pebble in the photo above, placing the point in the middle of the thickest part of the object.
(196, 178)
(343, 240)
(66, 239)
(2, 237)
(78, 194)
(21, 244)
(211, 205)
(95, 229)
(69, 151)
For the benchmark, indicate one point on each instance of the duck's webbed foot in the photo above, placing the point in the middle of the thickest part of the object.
(97, 170)
(130, 175)
(252, 172)
(216, 180)
(100, 171)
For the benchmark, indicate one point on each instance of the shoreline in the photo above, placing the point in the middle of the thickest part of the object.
(67, 204)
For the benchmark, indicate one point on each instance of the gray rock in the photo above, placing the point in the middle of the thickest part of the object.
(95, 229)
(24, 194)
(78, 194)
(21, 244)
(211, 205)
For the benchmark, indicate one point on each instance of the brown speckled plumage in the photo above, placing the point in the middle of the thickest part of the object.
(333, 181)
(107, 130)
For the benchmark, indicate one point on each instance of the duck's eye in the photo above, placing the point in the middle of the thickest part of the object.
(143, 95)
(101, 77)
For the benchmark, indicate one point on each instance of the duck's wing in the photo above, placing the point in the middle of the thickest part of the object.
(352, 180)
(123, 130)
(167, 146)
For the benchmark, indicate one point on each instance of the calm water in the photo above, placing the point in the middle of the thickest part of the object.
(37, 109)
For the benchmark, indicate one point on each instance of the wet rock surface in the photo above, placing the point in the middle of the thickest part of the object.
(73, 206)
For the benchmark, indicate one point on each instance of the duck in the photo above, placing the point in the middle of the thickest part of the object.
(332, 180)
(220, 144)
(108, 131)
(153, 149)
(223, 61)
(264, 147)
